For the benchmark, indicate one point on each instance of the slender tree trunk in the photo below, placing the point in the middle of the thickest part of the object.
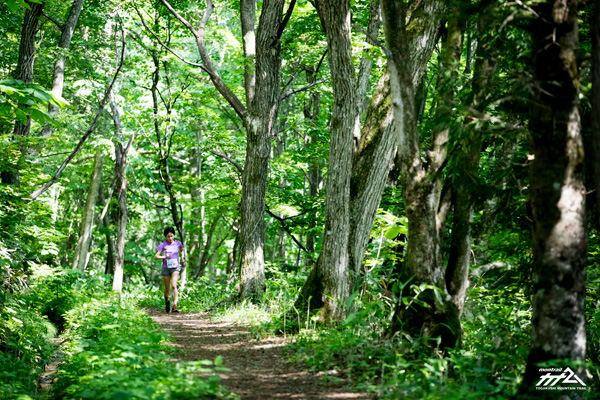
(233, 259)
(121, 188)
(248, 19)
(110, 244)
(468, 154)
(499, 198)
(24, 72)
(120, 173)
(557, 197)
(311, 114)
(423, 263)
(197, 211)
(87, 220)
(259, 122)
(58, 78)
(365, 67)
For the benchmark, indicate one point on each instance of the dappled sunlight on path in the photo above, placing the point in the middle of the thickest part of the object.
(259, 369)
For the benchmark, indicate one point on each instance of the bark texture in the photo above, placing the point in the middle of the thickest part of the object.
(58, 77)
(468, 153)
(557, 195)
(24, 72)
(110, 244)
(259, 122)
(365, 68)
(87, 220)
(248, 18)
(370, 167)
(120, 173)
(423, 261)
(332, 265)
(121, 191)
(197, 218)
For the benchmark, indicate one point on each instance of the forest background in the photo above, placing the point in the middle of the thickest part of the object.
(401, 183)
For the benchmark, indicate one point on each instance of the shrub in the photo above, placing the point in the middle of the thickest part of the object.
(117, 351)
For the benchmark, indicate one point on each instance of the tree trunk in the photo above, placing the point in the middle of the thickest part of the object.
(311, 114)
(468, 153)
(58, 78)
(332, 265)
(197, 211)
(259, 122)
(232, 259)
(423, 263)
(24, 72)
(120, 173)
(110, 245)
(370, 167)
(87, 220)
(365, 67)
(557, 196)
(121, 188)
(248, 19)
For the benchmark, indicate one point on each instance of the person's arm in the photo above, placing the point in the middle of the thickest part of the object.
(157, 256)
(181, 255)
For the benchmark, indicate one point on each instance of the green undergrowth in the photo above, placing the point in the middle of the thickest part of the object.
(489, 365)
(283, 284)
(116, 351)
(30, 316)
(24, 348)
(198, 295)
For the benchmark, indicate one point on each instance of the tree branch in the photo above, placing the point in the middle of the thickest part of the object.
(55, 22)
(372, 39)
(165, 46)
(216, 79)
(286, 19)
(230, 160)
(302, 89)
(287, 230)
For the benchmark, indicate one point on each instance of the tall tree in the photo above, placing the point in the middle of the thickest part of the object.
(332, 264)
(557, 193)
(58, 76)
(81, 255)
(259, 117)
(467, 149)
(121, 192)
(421, 187)
(24, 72)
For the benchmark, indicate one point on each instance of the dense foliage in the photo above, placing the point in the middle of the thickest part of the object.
(185, 169)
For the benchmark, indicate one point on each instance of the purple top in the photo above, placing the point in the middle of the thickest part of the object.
(173, 260)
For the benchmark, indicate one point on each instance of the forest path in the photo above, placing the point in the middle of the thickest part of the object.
(259, 370)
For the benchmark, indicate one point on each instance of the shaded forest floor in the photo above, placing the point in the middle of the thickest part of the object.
(259, 369)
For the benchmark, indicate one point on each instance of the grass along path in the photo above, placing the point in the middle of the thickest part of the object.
(259, 370)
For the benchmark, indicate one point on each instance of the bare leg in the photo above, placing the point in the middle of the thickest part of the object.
(174, 279)
(167, 282)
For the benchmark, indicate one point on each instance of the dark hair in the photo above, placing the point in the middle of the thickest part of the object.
(169, 229)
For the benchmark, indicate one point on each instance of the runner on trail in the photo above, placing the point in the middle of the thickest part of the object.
(171, 266)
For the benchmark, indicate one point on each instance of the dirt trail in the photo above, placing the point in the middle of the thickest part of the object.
(259, 370)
